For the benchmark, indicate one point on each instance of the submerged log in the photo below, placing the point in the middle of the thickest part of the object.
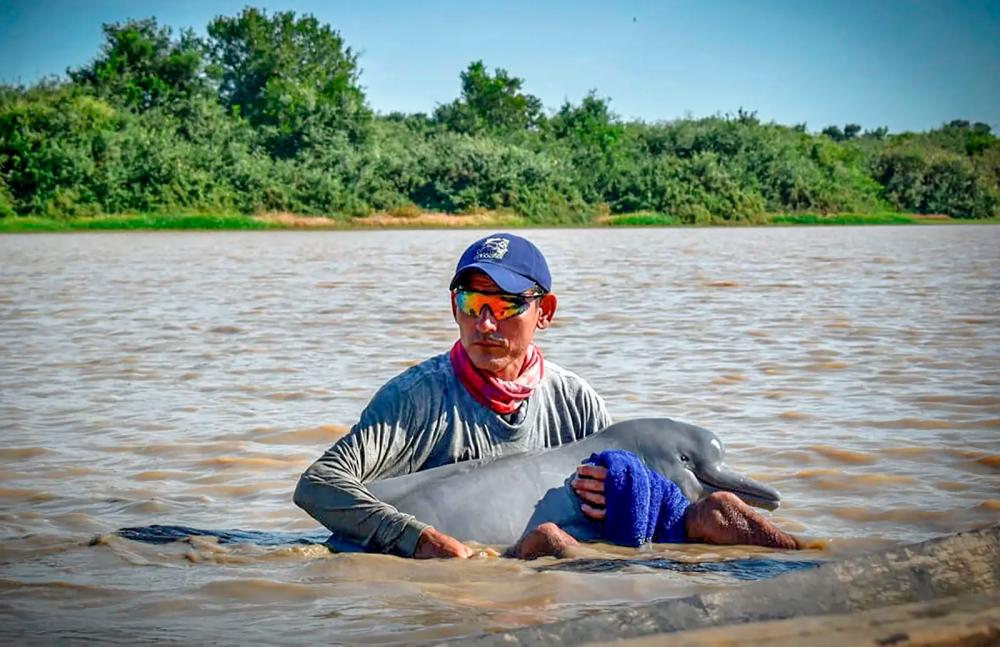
(962, 564)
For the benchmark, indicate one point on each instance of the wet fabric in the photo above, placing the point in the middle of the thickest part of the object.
(641, 505)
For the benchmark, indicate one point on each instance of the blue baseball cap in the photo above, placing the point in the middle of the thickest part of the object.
(514, 263)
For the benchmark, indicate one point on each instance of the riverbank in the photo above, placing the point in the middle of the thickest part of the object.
(430, 220)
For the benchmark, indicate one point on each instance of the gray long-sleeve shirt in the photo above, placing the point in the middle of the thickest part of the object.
(425, 418)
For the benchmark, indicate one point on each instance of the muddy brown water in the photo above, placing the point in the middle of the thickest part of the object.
(190, 377)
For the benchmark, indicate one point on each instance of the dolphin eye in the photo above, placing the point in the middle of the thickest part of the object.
(684, 458)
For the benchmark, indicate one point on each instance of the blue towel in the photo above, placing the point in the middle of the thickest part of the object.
(641, 506)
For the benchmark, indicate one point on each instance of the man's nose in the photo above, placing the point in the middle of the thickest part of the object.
(486, 323)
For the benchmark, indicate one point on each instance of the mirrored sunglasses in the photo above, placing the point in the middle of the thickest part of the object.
(503, 306)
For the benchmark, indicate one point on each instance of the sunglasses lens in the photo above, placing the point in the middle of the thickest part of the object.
(503, 306)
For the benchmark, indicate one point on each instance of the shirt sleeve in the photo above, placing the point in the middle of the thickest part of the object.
(593, 413)
(600, 416)
(332, 489)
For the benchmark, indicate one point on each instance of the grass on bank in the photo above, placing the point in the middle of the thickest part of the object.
(844, 219)
(132, 222)
(413, 220)
(651, 219)
(644, 219)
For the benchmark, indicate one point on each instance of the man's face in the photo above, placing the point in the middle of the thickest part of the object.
(499, 347)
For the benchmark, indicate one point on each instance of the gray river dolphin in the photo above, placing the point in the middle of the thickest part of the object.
(497, 501)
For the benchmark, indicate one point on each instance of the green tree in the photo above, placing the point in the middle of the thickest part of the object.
(878, 133)
(141, 66)
(590, 123)
(595, 144)
(6, 200)
(52, 140)
(292, 76)
(490, 103)
(834, 133)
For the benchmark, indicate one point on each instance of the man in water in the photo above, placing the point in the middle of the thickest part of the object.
(491, 394)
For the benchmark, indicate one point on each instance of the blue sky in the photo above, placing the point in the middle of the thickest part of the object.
(908, 65)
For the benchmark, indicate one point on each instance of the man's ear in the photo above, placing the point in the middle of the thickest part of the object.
(546, 310)
(454, 308)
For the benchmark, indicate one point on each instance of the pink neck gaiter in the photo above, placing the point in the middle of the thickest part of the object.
(501, 396)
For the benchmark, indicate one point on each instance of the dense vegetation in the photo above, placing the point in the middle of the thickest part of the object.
(266, 113)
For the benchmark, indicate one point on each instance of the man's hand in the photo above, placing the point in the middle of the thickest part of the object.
(546, 539)
(588, 484)
(437, 544)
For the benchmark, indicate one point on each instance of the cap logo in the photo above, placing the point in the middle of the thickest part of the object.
(492, 249)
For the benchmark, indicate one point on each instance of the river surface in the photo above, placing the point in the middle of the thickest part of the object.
(189, 378)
